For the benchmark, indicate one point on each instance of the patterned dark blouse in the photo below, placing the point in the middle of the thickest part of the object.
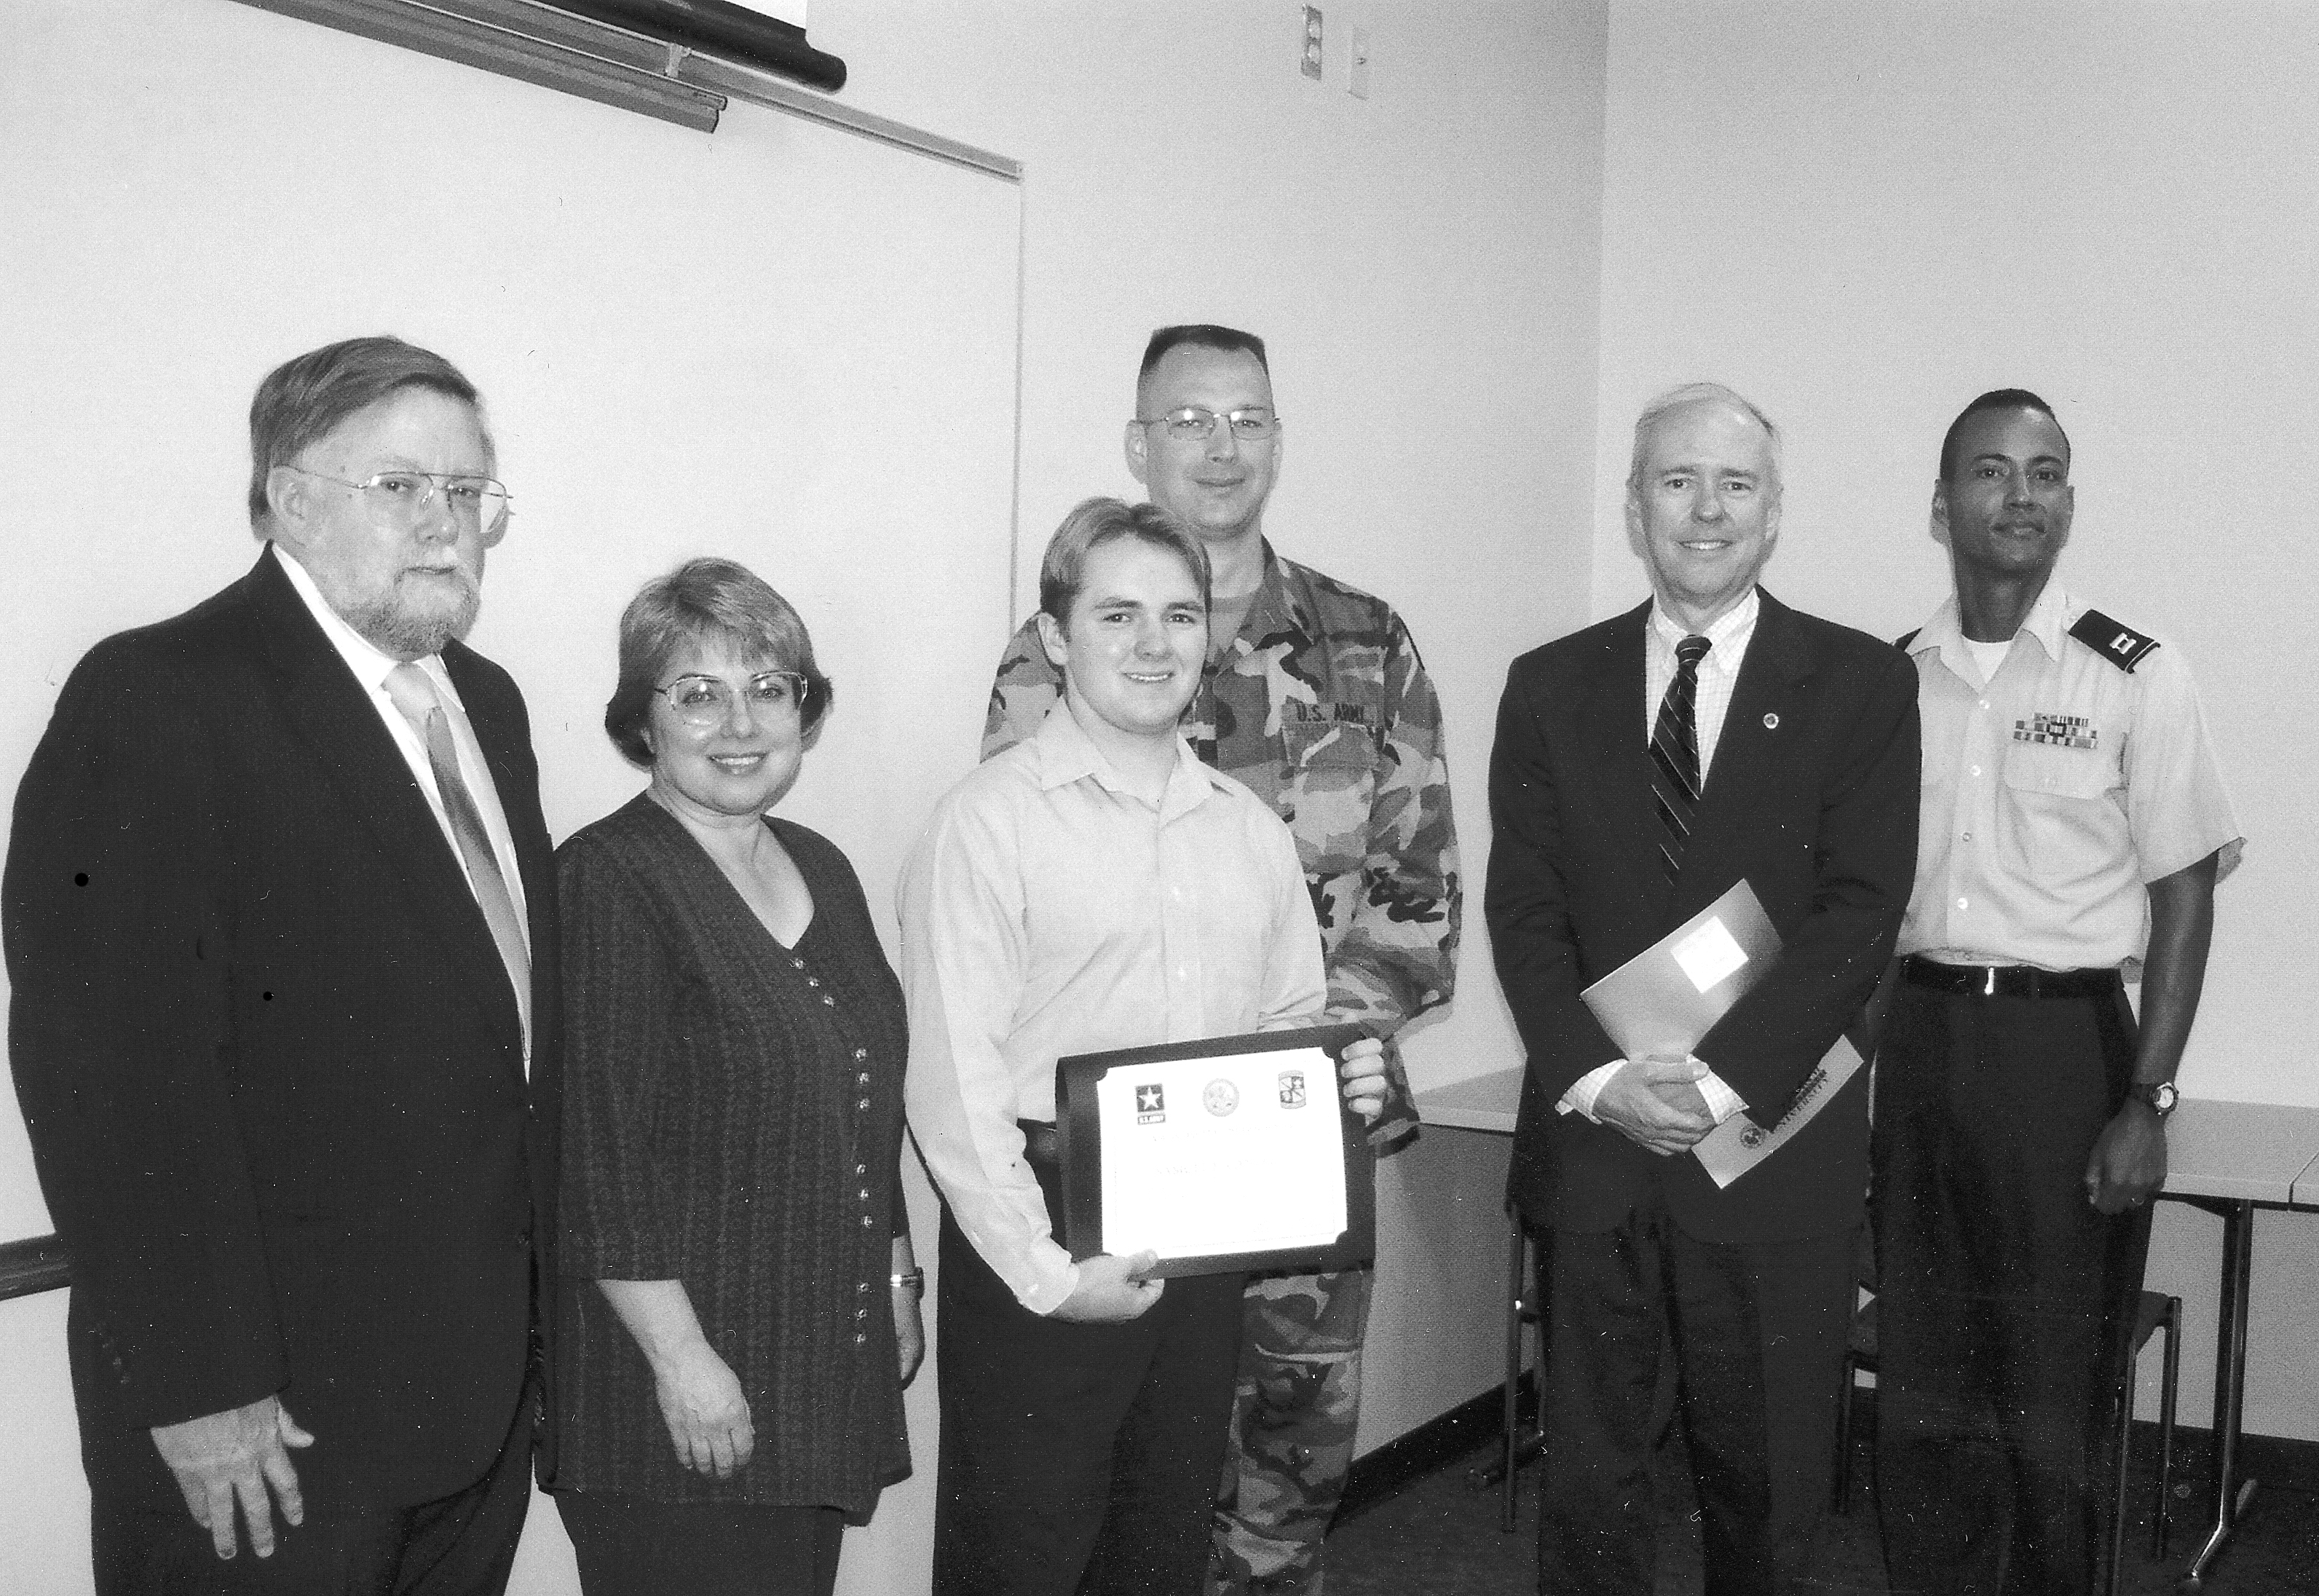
(733, 1119)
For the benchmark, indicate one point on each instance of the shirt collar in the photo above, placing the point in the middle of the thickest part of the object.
(1068, 754)
(1727, 635)
(2047, 622)
(363, 657)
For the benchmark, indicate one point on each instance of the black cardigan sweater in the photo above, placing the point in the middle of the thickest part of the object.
(733, 1119)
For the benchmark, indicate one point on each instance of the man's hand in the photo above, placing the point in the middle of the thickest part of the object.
(706, 1410)
(2128, 1163)
(1655, 1104)
(1111, 1290)
(1362, 1071)
(237, 1456)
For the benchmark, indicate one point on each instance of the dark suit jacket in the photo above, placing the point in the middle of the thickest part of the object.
(267, 1054)
(1812, 798)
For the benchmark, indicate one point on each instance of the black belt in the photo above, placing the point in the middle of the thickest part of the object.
(2006, 980)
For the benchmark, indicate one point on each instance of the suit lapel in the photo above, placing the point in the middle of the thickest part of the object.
(1613, 720)
(379, 799)
(1752, 742)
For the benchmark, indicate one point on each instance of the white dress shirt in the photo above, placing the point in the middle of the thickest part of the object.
(1718, 674)
(370, 668)
(1047, 910)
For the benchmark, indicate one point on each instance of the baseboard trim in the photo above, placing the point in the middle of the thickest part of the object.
(1384, 1473)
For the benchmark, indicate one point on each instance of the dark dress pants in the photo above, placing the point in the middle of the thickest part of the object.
(145, 1543)
(1757, 1332)
(1078, 1458)
(2004, 1298)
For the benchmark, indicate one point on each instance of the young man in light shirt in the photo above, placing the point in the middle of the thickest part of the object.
(1094, 888)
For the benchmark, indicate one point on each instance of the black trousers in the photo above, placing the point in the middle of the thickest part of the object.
(1078, 1458)
(1757, 1332)
(145, 1543)
(2005, 1300)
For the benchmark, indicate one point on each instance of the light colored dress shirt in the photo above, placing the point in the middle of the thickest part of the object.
(1047, 910)
(1718, 674)
(370, 668)
(2054, 792)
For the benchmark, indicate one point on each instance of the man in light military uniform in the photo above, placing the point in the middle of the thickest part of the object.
(1314, 697)
(2073, 828)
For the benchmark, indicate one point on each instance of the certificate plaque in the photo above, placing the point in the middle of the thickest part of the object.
(1234, 1153)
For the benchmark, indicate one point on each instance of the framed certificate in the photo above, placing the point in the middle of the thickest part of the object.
(1234, 1153)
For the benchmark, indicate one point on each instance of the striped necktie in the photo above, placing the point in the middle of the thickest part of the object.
(1674, 755)
(413, 692)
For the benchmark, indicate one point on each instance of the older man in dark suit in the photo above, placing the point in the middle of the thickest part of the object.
(1642, 767)
(279, 925)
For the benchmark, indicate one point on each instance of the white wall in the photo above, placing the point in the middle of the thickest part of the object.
(1863, 215)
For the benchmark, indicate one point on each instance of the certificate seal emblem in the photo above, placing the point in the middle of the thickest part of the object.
(1221, 1097)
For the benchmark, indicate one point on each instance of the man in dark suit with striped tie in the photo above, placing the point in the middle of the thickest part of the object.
(1642, 767)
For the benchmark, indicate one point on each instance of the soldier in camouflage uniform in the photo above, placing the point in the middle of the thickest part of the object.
(1317, 700)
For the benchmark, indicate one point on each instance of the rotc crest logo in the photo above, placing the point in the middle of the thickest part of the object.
(1292, 1088)
(1221, 1097)
(1151, 1105)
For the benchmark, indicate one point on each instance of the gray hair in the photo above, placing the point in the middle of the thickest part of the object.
(1674, 398)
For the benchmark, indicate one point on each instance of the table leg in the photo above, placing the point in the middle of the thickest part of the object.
(2231, 1493)
(1517, 1289)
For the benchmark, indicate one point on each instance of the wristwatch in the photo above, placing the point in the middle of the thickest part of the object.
(2159, 1095)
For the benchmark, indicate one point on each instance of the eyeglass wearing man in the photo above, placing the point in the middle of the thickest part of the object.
(2073, 828)
(1314, 695)
(284, 1028)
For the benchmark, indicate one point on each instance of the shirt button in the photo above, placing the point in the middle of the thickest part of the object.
(826, 999)
(865, 1221)
(797, 964)
(862, 1289)
(861, 1168)
(813, 980)
(861, 1340)
(862, 1104)
(1976, 769)
(860, 1054)
(1964, 903)
(861, 1079)
(860, 1312)
(1966, 837)
(865, 1194)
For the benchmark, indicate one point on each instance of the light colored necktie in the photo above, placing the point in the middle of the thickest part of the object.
(413, 692)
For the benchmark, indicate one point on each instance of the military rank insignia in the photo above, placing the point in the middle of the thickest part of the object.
(2122, 646)
(2057, 731)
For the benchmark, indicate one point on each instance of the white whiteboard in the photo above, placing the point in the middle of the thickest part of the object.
(780, 343)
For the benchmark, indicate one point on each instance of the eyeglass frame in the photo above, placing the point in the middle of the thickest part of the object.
(1209, 431)
(801, 694)
(491, 532)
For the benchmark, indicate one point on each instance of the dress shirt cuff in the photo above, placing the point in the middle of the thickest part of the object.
(1043, 1288)
(1722, 1101)
(1580, 1097)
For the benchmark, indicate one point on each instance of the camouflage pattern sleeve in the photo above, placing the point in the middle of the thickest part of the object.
(1025, 688)
(1398, 956)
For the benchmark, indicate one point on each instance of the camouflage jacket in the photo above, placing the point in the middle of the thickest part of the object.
(1321, 707)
